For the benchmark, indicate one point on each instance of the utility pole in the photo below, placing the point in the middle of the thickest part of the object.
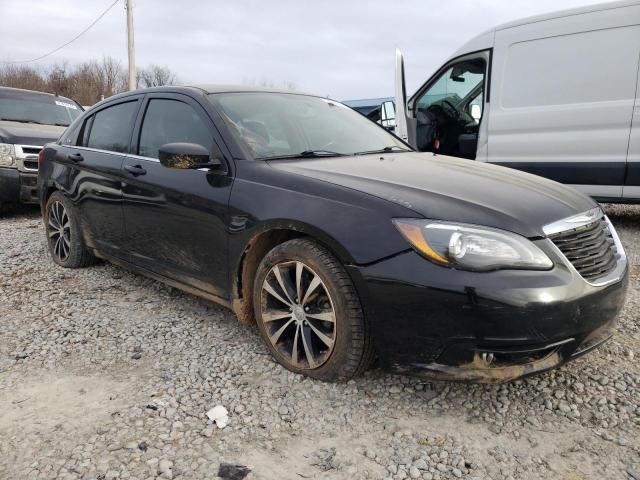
(130, 46)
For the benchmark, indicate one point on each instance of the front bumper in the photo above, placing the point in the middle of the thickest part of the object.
(484, 327)
(18, 187)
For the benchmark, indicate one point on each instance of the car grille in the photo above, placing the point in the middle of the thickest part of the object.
(590, 249)
(27, 156)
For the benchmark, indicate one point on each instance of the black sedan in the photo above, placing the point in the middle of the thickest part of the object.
(341, 242)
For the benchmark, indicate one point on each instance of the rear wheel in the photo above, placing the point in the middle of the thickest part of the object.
(63, 235)
(309, 314)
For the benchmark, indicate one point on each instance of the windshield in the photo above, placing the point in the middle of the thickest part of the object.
(28, 107)
(275, 125)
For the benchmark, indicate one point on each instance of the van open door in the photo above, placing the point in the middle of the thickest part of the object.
(401, 99)
(445, 115)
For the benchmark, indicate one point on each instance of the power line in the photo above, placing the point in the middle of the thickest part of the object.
(70, 41)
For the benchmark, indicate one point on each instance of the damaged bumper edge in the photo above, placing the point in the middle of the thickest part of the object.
(482, 370)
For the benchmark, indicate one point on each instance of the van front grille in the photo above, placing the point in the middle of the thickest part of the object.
(590, 249)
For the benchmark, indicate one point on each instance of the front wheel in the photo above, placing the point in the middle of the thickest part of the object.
(64, 239)
(309, 313)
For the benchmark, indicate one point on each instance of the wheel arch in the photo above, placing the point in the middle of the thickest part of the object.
(262, 240)
(45, 193)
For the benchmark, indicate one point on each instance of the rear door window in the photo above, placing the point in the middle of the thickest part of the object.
(171, 121)
(111, 129)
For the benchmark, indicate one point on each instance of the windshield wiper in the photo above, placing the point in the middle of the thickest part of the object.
(320, 153)
(306, 154)
(394, 148)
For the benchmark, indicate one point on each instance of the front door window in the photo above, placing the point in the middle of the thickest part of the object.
(449, 111)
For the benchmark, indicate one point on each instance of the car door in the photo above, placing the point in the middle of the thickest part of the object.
(176, 219)
(96, 154)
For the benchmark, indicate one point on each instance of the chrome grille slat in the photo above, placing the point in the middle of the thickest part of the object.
(595, 249)
(580, 242)
(27, 158)
(590, 248)
(592, 260)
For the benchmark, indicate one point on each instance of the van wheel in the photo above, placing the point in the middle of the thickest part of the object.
(309, 313)
(65, 242)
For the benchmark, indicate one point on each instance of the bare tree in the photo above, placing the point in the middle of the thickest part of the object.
(22, 77)
(86, 82)
(59, 80)
(114, 77)
(156, 76)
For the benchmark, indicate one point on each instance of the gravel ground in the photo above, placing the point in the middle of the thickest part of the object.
(105, 374)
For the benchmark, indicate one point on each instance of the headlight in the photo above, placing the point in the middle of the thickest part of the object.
(7, 155)
(471, 247)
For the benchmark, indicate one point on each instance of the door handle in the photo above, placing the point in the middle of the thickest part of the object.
(75, 157)
(135, 170)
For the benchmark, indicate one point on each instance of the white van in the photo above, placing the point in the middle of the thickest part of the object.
(556, 95)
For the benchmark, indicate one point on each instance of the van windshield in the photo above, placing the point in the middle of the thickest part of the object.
(28, 107)
(277, 125)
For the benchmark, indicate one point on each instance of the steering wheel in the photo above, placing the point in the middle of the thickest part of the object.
(451, 110)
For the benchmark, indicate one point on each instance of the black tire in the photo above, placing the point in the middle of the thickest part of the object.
(77, 254)
(352, 351)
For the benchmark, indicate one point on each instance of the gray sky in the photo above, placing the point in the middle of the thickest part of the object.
(341, 48)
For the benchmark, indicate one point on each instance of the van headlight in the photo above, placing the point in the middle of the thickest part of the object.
(472, 247)
(7, 155)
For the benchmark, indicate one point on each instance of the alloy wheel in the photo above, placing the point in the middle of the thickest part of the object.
(59, 231)
(298, 315)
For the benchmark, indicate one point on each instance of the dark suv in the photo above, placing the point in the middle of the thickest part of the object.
(28, 120)
(335, 236)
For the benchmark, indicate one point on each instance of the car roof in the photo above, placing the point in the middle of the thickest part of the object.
(567, 13)
(201, 88)
(217, 88)
(207, 88)
(31, 92)
(486, 39)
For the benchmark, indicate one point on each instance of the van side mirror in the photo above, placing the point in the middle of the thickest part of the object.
(476, 112)
(187, 156)
(388, 115)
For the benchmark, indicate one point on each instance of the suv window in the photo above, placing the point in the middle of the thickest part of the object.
(111, 129)
(170, 121)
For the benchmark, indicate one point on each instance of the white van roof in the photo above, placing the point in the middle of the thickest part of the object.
(485, 39)
(567, 13)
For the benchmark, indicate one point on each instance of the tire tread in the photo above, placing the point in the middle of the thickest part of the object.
(361, 352)
(80, 256)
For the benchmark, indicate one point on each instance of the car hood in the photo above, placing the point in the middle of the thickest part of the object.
(453, 189)
(19, 133)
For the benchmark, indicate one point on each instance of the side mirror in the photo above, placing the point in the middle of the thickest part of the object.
(388, 115)
(187, 156)
(476, 112)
